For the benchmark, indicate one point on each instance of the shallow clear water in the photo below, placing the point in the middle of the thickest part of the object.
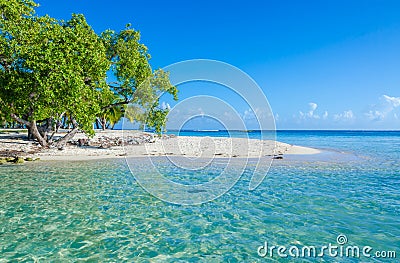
(96, 211)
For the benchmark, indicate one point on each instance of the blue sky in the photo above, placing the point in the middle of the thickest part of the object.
(321, 64)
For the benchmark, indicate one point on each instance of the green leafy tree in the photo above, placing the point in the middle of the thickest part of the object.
(110, 116)
(134, 82)
(50, 69)
(54, 71)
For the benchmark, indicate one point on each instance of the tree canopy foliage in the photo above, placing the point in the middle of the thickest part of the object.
(135, 83)
(54, 72)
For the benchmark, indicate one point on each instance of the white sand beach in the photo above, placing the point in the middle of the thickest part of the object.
(119, 144)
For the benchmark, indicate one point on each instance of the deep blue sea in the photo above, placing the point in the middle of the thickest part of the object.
(95, 211)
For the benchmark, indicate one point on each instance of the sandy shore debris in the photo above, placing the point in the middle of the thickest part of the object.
(118, 144)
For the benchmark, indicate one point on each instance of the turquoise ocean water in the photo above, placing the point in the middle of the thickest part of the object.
(93, 211)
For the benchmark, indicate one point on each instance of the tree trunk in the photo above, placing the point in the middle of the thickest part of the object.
(45, 127)
(97, 123)
(36, 134)
(30, 137)
(64, 122)
(32, 127)
(103, 122)
(63, 141)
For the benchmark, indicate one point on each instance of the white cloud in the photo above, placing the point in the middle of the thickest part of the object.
(385, 109)
(393, 101)
(311, 112)
(249, 114)
(313, 106)
(345, 116)
(375, 115)
(325, 116)
(230, 115)
(261, 114)
(348, 114)
(165, 106)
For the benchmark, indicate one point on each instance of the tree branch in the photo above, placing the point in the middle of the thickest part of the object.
(116, 104)
(63, 140)
(22, 121)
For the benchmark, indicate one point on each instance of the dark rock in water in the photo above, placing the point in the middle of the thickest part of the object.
(61, 148)
(19, 160)
(277, 157)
